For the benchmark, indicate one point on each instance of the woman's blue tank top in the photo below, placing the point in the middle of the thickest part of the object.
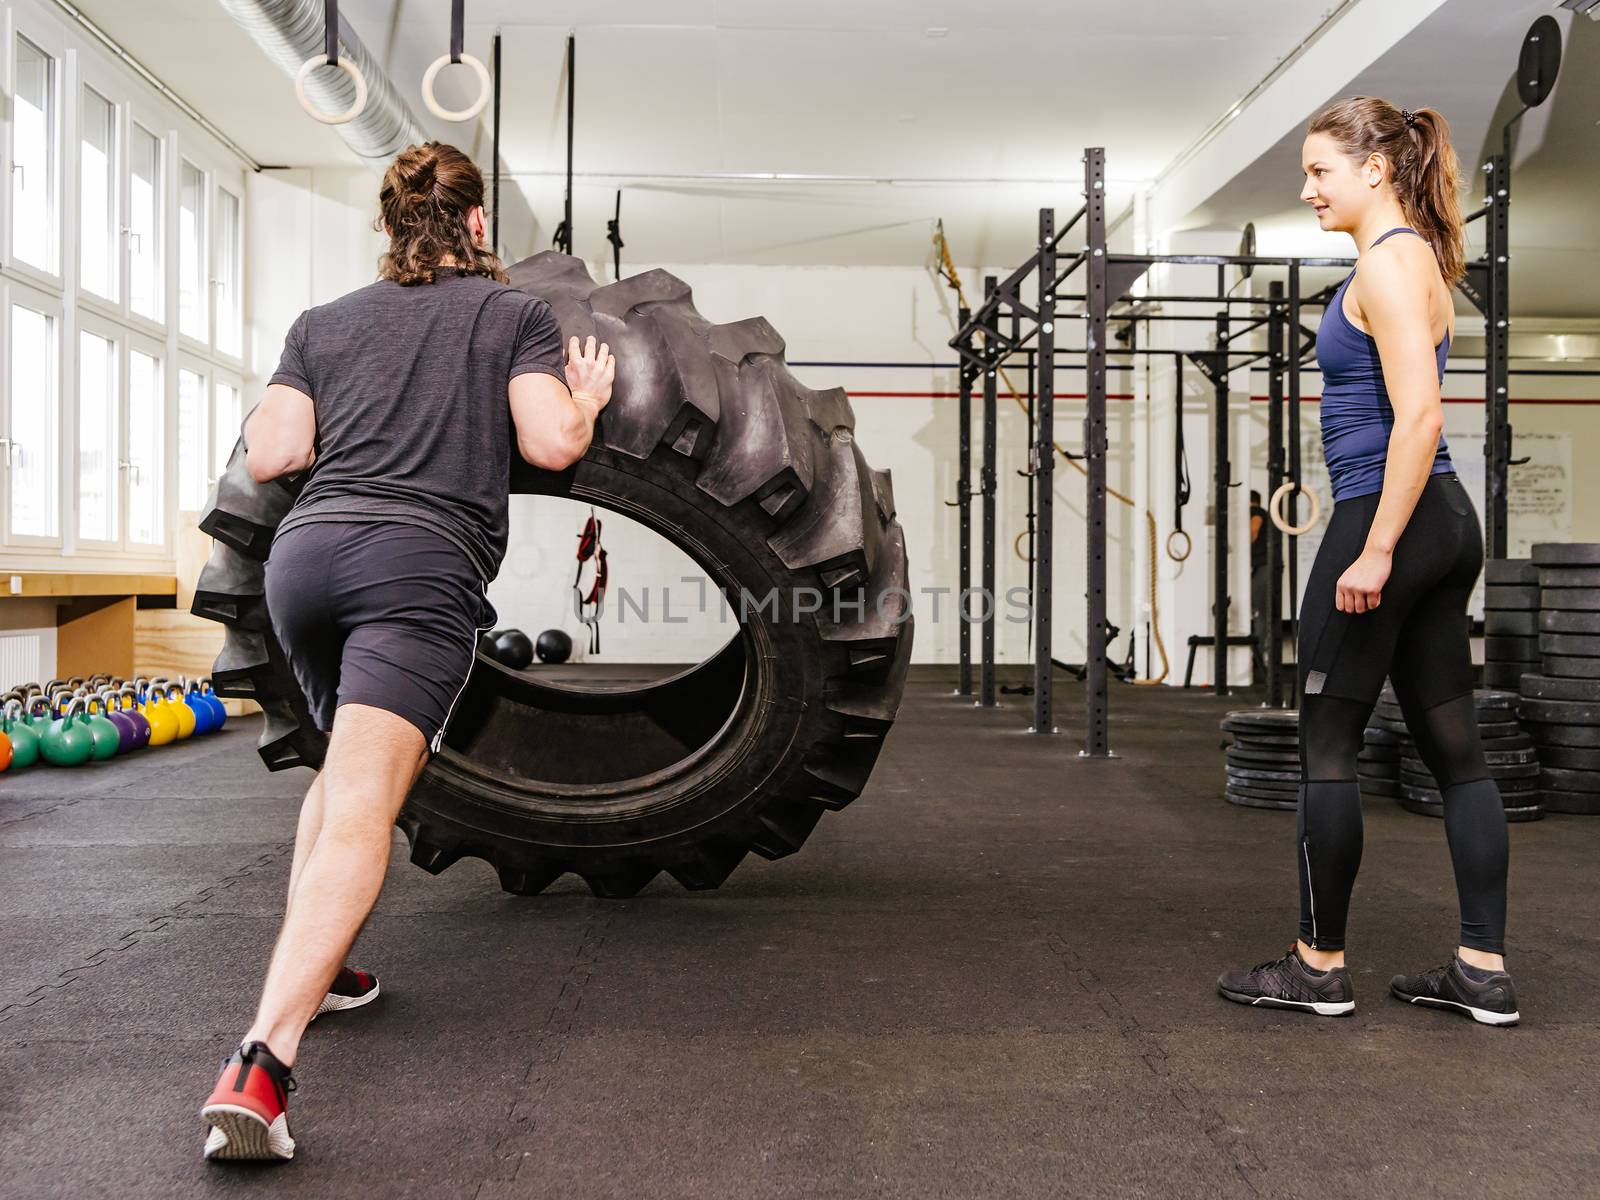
(1356, 415)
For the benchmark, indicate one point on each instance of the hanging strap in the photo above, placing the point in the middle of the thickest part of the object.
(330, 31)
(1184, 489)
(458, 23)
(614, 236)
(589, 547)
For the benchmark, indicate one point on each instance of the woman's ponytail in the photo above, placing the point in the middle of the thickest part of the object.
(1429, 188)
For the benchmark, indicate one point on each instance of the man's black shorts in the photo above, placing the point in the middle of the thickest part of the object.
(377, 613)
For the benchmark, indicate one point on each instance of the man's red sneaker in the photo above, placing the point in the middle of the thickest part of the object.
(350, 989)
(246, 1110)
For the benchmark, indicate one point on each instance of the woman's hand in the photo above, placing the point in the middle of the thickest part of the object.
(1360, 588)
(590, 372)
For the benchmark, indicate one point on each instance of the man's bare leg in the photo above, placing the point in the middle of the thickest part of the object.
(373, 759)
(305, 834)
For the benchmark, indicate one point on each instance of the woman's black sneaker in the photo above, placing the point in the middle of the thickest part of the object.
(1288, 982)
(1488, 997)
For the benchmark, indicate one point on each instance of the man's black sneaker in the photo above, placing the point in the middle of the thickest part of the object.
(350, 989)
(1288, 982)
(1491, 999)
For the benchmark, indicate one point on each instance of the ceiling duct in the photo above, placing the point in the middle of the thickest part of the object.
(291, 31)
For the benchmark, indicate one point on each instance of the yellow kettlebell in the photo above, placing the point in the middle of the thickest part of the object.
(181, 711)
(163, 722)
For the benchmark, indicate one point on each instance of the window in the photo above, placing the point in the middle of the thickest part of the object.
(192, 445)
(98, 242)
(97, 438)
(146, 277)
(31, 445)
(33, 158)
(143, 464)
(122, 242)
(193, 318)
(228, 253)
(226, 425)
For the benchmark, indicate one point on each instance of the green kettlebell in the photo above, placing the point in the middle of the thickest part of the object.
(68, 742)
(107, 738)
(24, 741)
(38, 712)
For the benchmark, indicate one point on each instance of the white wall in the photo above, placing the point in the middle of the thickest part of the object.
(311, 240)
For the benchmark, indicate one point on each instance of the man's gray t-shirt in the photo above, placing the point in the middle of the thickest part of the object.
(413, 419)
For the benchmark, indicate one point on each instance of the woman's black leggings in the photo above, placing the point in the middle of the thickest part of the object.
(1417, 636)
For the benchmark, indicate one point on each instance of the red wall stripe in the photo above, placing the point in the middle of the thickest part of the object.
(978, 395)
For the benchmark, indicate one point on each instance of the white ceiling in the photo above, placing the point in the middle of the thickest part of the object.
(976, 113)
(1009, 92)
(1462, 61)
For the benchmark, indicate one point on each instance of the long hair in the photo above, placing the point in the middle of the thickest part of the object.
(426, 195)
(1422, 166)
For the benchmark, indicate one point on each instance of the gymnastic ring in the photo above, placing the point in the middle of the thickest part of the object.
(464, 114)
(1188, 545)
(1016, 546)
(346, 65)
(1275, 508)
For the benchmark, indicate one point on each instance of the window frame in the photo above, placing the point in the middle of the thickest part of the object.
(117, 335)
(186, 339)
(117, 303)
(19, 293)
(155, 326)
(217, 189)
(206, 370)
(165, 405)
(48, 40)
(224, 377)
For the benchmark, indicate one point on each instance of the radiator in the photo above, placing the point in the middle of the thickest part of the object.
(19, 659)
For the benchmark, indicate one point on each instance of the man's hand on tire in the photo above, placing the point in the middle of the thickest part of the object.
(590, 372)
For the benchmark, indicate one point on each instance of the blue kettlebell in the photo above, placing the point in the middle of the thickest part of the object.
(215, 701)
(204, 719)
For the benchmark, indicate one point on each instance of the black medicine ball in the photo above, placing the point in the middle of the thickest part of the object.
(513, 649)
(554, 646)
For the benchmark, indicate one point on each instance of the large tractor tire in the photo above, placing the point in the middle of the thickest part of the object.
(711, 442)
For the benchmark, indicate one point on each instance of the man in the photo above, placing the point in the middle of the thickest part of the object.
(400, 401)
(1260, 582)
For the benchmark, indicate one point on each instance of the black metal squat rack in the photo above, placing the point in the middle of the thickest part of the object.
(1008, 325)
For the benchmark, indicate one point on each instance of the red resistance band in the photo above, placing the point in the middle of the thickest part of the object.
(589, 548)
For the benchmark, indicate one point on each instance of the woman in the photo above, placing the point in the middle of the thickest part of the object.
(401, 403)
(1388, 593)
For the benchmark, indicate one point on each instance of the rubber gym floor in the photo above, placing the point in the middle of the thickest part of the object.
(991, 976)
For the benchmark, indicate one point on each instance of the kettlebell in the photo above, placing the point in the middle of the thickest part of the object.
(181, 712)
(128, 697)
(204, 719)
(209, 695)
(68, 742)
(24, 742)
(163, 722)
(127, 734)
(104, 732)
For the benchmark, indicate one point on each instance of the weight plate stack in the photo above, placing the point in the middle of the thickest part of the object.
(1510, 621)
(1509, 751)
(1263, 759)
(1378, 764)
(1560, 704)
